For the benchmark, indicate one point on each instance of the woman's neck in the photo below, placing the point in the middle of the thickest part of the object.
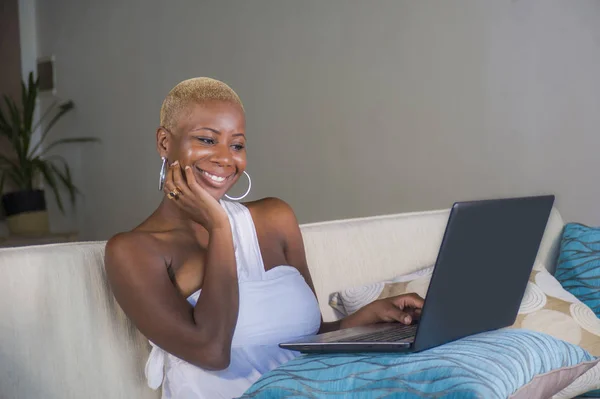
(172, 217)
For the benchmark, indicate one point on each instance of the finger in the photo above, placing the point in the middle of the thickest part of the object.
(193, 184)
(400, 316)
(169, 183)
(414, 313)
(408, 301)
(172, 186)
(179, 181)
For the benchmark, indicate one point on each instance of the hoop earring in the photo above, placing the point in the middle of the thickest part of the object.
(247, 191)
(163, 174)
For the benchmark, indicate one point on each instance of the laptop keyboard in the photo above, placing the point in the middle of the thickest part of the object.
(393, 335)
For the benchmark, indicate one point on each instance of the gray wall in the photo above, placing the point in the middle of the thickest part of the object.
(355, 108)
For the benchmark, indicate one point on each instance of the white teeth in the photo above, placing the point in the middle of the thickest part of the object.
(213, 177)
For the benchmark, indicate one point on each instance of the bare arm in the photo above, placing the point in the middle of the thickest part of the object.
(200, 335)
(217, 307)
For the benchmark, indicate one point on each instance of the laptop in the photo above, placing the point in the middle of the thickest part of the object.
(478, 282)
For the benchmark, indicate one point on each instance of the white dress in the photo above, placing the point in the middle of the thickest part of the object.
(274, 306)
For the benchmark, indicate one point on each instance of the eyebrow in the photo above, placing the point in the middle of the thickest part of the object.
(216, 131)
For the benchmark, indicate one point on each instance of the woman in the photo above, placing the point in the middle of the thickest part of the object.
(216, 285)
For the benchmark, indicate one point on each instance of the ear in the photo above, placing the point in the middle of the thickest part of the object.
(163, 140)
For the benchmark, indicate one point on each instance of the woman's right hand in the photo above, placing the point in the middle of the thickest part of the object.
(193, 199)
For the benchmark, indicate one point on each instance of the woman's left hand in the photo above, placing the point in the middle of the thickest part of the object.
(402, 308)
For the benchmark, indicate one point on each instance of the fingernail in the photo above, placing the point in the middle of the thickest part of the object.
(407, 319)
(187, 167)
(175, 163)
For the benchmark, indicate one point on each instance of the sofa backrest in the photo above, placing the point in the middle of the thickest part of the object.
(348, 253)
(62, 334)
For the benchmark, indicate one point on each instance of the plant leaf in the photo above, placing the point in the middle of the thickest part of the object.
(13, 111)
(5, 127)
(63, 109)
(15, 128)
(7, 160)
(48, 111)
(2, 180)
(28, 102)
(29, 105)
(69, 140)
(14, 119)
(8, 165)
(66, 178)
(17, 178)
(48, 175)
(27, 170)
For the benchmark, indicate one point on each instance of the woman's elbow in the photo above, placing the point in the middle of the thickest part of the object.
(213, 359)
(215, 363)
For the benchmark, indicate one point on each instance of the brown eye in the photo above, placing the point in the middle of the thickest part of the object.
(206, 140)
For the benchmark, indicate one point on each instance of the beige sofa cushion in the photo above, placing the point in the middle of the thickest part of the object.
(62, 335)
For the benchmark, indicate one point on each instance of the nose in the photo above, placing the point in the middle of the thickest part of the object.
(222, 155)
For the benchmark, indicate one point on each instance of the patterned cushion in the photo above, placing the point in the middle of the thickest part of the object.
(499, 364)
(578, 268)
(546, 308)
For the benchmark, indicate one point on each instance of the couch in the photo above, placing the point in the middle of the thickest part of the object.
(62, 334)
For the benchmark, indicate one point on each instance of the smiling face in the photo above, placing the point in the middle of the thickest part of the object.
(210, 137)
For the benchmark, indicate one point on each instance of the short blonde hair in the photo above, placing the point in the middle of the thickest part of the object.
(195, 90)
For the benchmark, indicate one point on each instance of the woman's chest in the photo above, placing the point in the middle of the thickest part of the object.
(189, 259)
(273, 310)
(276, 310)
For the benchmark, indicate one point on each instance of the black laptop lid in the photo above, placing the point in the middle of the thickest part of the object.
(483, 266)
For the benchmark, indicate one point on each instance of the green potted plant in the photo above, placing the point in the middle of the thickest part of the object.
(29, 164)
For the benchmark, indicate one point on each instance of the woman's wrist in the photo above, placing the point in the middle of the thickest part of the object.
(349, 321)
(220, 225)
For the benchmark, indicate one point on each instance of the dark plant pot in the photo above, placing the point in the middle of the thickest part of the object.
(26, 212)
(23, 201)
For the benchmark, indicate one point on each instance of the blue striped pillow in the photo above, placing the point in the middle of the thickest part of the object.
(490, 365)
(578, 269)
(594, 394)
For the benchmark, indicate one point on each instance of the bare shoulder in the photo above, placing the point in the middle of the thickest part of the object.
(273, 212)
(124, 247)
(278, 218)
